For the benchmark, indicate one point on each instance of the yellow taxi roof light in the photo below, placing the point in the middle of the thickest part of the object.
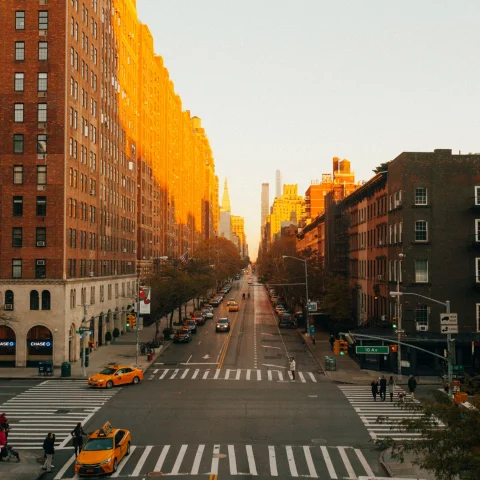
(105, 430)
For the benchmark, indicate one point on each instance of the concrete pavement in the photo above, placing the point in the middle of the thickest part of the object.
(29, 468)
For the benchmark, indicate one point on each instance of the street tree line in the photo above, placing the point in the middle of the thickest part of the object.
(174, 283)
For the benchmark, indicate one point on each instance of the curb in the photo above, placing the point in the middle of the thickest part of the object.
(313, 355)
(40, 475)
(385, 466)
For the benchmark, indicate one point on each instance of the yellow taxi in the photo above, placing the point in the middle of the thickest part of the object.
(103, 451)
(233, 307)
(116, 375)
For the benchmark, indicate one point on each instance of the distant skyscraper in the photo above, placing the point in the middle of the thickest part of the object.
(225, 227)
(265, 201)
(278, 184)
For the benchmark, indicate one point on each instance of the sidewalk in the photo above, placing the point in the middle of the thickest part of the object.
(405, 469)
(29, 468)
(122, 351)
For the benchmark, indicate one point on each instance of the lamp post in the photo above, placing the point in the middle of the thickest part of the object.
(399, 318)
(306, 287)
(446, 304)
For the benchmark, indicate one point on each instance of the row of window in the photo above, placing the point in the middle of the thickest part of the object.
(42, 20)
(40, 237)
(40, 268)
(19, 112)
(42, 51)
(19, 143)
(34, 300)
(85, 184)
(18, 174)
(17, 206)
(105, 267)
(19, 81)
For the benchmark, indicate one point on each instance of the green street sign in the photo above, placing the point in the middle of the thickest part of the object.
(458, 368)
(381, 350)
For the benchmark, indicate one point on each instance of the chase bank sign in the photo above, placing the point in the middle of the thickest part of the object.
(7, 343)
(35, 343)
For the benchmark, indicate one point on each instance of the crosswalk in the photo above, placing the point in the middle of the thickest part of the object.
(391, 413)
(255, 375)
(285, 461)
(51, 406)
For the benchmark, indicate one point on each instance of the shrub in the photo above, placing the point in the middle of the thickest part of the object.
(116, 332)
(108, 337)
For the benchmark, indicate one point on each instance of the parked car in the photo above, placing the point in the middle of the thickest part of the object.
(208, 312)
(199, 318)
(287, 321)
(279, 309)
(182, 335)
(223, 325)
(215, 302)
(191, 325)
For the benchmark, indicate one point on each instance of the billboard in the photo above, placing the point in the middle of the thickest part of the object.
(145, 299)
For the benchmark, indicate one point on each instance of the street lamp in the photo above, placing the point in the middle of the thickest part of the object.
(446, 304)
(399, 318)
(306, 287)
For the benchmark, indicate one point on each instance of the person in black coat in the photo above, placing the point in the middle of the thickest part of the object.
(78, 434)
(49, 449)
(383, 388)
(412, 385)
(374, 386)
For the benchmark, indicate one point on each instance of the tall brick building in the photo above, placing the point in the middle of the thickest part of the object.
(98, 162)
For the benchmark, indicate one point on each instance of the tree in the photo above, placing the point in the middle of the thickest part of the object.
(450, 452)
(381, 168)
(337, 299)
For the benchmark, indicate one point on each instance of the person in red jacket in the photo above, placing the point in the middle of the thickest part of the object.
(4, 423)
(5, 447)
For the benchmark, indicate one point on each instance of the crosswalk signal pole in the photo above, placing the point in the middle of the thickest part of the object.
(136, 321)
(84, 338)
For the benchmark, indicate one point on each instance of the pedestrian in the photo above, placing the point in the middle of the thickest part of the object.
(292, 367)
(412, 385)
(331, 341)
(4, 424)
(446, 388)
(374, 386)
(49, 449)
(5, 447)
(391, 387)
(78, 434)
(383, 388)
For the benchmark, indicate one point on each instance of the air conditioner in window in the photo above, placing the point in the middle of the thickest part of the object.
(43, 2)
(41, 156)
(40, 262)
(124, 250)
(380, 242)
(41, 187)
(91, 274)
(422, 328)
(42, 94)
(129, 263)
(9, 306)
(379, 277)
(42, 33)
(42, 126)
(40, 243)
(134, 251)
(92, 192)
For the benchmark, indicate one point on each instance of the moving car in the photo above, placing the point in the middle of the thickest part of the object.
(230, 300)
(182, 335)
(103, 451)
(233, 307)
(191, 325)
(223, 325)
(116, 375)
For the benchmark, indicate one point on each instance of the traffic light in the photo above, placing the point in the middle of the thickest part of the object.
(336, 347)
(393, 348)
(394, 322)
(131, 320)
(343, 347)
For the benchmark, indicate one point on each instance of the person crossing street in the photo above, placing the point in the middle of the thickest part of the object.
(78, 434)
(49, 449)
(292, 367)
(383, 388)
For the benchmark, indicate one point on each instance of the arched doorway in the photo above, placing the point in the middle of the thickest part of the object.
(39, 345)
(100, 330)
(8, 346)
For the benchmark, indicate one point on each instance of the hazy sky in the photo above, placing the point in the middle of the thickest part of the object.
(289, 84)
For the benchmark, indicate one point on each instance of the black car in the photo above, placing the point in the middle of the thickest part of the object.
(223, 325)
(287, 321)
(182, 336)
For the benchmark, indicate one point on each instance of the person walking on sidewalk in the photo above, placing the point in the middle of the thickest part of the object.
(292, 366)
(391, 387)
(412, 385)
(383, 388)
(5, 448)
(49, 449)
(331, 340)
(4, 424)
(374, 386)
(78, 434)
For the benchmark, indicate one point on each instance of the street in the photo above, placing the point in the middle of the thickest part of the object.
(223, 405)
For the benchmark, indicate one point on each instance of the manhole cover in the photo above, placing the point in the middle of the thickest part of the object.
(219, 455)
(155, 474)
(62, 412)
(318, 440)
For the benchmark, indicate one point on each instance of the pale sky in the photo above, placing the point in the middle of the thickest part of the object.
(289, 84)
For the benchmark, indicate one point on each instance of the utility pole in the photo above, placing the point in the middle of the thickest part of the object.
(137, 320)
(306, 297)
(399, 319)
(84, 338)
(449, 353)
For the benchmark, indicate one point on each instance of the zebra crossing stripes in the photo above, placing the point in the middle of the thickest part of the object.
(360, 397)
(248, 374)
(281, 461)
(51, 406)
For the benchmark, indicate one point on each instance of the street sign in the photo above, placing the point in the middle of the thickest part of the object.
(448, 319)
(312, 306)
(448, 329)
(400, 330)
(405, 363)
(380, 350)
(458, 368)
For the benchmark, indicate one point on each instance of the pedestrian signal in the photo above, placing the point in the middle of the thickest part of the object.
(336, 347)
(343, 347)
(393, 348)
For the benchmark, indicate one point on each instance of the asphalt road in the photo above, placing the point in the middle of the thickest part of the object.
(224, 406)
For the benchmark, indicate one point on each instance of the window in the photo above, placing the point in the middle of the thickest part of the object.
(18, 115)
(477, 270)
(43, 50)
(400, 230)
(390, 234)
(18, 174)
(41, 206)
(477, 230)
(16, 269)
(421, 271)
(17, 237)
(34, 300)
(40, 268)
(45, 300)
(43, 20)
(92, 295)
(42, 113)
(41, 143)
(19, 51)
(20, 20)
(41, 174)
(19, 82)
(421, 314)
(17, 143)
(478, 317)
(17, 206)
(42, 82)
(421, 231)
(477, 195)
(9, 298)
(41, 237)
(421, 196)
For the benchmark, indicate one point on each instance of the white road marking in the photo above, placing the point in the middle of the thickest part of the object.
(198, 459)
(269, 346)
(64, 468)
(328, 463)
(215, 459)
(312, 377)
(179, 460)
(269, 375)
(273, 461)
(310, 465)
(156, 370)
(205, 375)
(189, 358)
(161, 459)
(227, 374)
(364, 463)
(347, 463)
(195, 374)
(217, 373)
(162, 376)
(251, 460)
(232, 460)
(248, 374)
(184, 374)
(123, 463)
(199, 342)
(270, 365)
(302, 378)
(142, 460)
(259, 375)
(291, 461)
(174, 374)
(237, 377)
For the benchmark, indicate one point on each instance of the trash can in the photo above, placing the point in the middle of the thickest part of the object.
(41, 368)
(330, 363)
(150, 357)
(66, 369)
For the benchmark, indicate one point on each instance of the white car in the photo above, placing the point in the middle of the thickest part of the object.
(208, 313)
